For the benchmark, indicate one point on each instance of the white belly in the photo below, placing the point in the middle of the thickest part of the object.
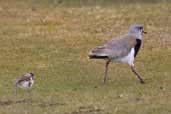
(26, 84)
(129, 58)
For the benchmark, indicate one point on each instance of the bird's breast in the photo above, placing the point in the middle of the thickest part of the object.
(137, 47)
(129, 58)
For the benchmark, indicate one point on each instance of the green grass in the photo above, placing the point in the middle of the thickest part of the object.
(54, 41)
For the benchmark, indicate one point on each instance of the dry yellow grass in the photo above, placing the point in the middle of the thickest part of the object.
(54, 41)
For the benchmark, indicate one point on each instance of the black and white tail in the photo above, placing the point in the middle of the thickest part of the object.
(98, 53)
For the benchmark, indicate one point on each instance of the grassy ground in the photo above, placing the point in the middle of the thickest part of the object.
(53, 42)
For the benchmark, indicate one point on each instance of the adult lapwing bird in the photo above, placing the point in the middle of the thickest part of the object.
(123, 49)
(25, 82)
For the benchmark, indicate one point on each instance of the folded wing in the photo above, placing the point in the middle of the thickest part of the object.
(114, 49)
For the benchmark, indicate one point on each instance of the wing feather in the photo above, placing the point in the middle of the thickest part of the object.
(25, 77)
(116, 48)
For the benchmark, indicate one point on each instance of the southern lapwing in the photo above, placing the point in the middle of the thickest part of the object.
(123, 49)
(25, 82)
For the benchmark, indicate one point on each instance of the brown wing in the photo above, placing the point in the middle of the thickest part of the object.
(116, 48)
(25, 77)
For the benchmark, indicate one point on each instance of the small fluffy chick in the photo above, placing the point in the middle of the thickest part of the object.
(25, 82)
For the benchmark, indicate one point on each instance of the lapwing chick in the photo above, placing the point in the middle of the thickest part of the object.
(25, 82)
(123, 49)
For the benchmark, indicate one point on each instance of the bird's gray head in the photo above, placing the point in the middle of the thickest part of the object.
(136, 30)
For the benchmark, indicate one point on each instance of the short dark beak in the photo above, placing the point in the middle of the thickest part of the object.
(144, 32)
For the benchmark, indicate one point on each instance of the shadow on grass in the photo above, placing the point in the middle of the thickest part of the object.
(42, 104)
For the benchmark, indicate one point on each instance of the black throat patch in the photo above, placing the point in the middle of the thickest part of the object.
(137, 47)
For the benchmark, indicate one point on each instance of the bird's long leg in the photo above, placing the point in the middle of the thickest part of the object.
(138, 76)
(29, 92)
(29, 88)
(16, 89)
(106, 69)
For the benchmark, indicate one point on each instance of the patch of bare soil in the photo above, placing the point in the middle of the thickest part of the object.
(10, 102)
(6, 103)
(42, 104)
(50, 104)
(88, 110)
